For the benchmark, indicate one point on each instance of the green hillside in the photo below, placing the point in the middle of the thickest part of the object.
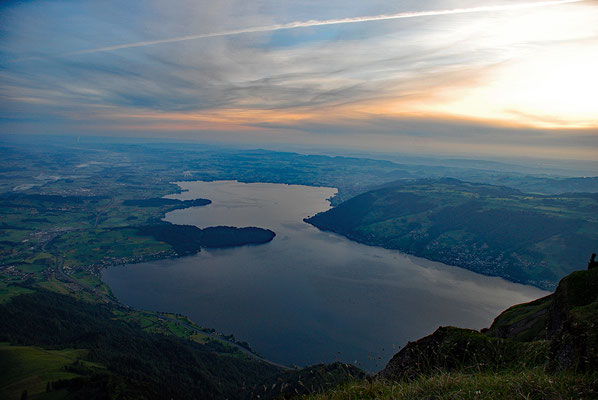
(493, 230)
(31, 368)
(152, 364)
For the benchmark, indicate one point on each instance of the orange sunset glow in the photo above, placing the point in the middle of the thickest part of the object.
(526, 66)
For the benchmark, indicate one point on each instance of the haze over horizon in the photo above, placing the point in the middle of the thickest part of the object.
(456, 77)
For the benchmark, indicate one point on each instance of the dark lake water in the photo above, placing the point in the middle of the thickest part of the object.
(308, 296)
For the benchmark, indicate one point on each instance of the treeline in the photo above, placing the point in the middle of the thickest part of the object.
(187, 239)
(230, 236)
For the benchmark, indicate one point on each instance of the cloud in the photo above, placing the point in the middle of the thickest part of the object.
(318, 23)
(413, 81)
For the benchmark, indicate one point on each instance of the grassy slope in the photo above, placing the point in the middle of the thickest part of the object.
(523, 322)
(529, 384)
(568, 317)
(31, 368)
(493, 230)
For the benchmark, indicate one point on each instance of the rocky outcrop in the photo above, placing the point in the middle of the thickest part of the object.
(524, 322)
(573, 323)
(559, 331)
(417, 357)
(450, 349)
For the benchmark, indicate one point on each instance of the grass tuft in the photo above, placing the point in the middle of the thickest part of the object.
(530, 384)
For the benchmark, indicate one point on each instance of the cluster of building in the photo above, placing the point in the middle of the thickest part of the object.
(15, 273)
(96, 268)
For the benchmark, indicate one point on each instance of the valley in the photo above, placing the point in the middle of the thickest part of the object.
(157, 248)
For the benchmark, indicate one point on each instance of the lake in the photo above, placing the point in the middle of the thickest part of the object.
(308, 296)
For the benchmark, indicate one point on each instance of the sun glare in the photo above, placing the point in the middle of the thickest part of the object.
(563, 86)
(546, 75)
(551, 91)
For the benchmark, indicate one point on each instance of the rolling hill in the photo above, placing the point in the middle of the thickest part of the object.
(494, 230)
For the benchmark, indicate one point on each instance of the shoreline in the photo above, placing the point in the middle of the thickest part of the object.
(547, 288)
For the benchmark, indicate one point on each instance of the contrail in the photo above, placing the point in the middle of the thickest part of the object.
(306, 24)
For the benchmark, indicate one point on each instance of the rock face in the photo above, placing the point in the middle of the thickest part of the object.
(573, 322)
(524, 322)
(450, 349)
(559, 331)
(417, 357)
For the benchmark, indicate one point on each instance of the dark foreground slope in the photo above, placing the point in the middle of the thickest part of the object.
(545, 349)
(132, 363)
(493, 230)
(61, 347)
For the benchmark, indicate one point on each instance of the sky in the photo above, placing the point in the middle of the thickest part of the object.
(452, 77)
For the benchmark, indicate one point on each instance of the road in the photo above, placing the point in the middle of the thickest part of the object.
(102, 211)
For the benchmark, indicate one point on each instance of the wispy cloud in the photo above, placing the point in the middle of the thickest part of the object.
(315, 23)
(485, 77)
